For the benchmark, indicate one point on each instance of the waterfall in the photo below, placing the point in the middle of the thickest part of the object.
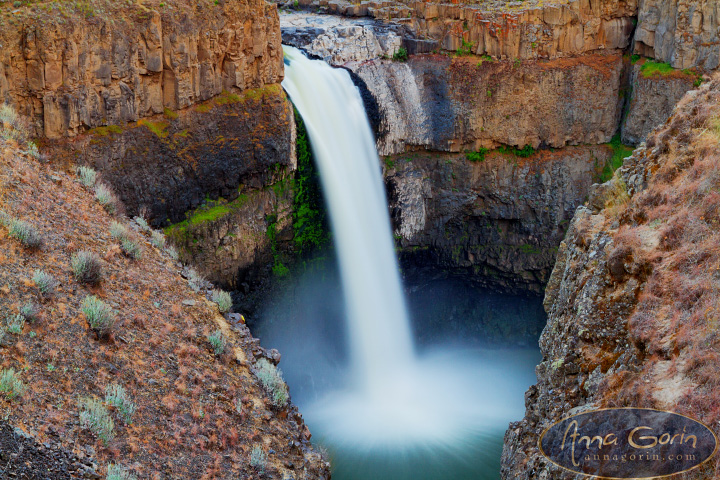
(447, 405)
(344, 148)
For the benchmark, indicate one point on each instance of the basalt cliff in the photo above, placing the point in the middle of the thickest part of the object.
(633, 299)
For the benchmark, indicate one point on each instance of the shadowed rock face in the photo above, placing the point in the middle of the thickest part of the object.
(69, 74)
(496, 222)
(167, 166)
(652, 100)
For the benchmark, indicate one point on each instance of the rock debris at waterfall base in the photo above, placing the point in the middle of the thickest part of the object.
(187, 423)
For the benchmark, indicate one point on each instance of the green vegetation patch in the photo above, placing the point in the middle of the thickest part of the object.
(203, 108)
(477, 156)
(650, 69)
(105, 131)
(310, 227)
(653, 69)
(227, 98)
(524, 152)
(620, 153)
(170, 114)
(262, 92)
(465, 49)
(159, 128)
(211, 211)
(401, 55)
(529, 249)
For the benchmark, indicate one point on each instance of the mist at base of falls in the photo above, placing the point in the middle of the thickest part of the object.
(367, 390)
(446, 418)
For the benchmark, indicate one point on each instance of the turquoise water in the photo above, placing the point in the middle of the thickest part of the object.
(307, 326)
(384, 404)
(497, 380)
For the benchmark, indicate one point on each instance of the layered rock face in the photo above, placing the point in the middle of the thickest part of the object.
(447, 104)
(495, 222)
(683, 33)
(652, 100)
(632, 300)
(167, 165)
(525, 31)
(69, 74)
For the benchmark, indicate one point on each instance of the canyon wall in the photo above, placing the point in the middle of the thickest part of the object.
(457, 104)
(70, 69)
(175, 104)
(527, 31)
(683, 33)
(169, 164)
(652, 100)
(495, 222)
(632, 300)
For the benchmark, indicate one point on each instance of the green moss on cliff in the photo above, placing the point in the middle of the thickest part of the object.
(620, 153)
(479, 155)
(309, 220)
(650, 69)
(105, 131)
(209, 212)
(159, 127)
(170, 114)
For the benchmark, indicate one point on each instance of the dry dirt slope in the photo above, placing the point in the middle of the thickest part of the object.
(187, 422)
(634, 299)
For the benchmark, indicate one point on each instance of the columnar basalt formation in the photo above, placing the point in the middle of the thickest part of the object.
(445, 104)
(683, 33)
(508, 31)
(70, 70)
(496, 222)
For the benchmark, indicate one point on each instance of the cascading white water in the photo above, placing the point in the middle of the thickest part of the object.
(395, 398)
(344, 147)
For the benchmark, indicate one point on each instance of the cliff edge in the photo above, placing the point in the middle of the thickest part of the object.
(633, 298)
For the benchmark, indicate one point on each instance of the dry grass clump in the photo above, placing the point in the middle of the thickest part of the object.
(100, 316)
(25, 233)
(107, 198)
(95, 417)
(222, 299)
(271, 378)
(44, 282)
(87, 176)
(86, 267)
